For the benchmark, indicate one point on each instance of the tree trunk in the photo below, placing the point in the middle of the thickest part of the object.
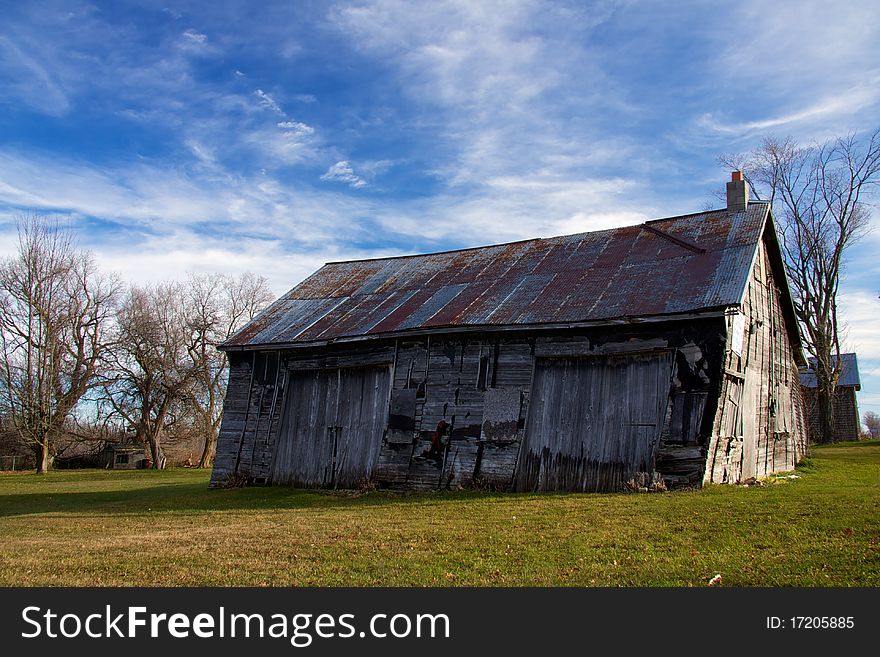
(44, 459)
(156, 453)
(825, 402)
(210, 449)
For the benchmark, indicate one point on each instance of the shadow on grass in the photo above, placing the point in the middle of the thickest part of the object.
(189, 497)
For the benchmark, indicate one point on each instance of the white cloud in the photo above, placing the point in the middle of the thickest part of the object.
(273, 147)
(494, 80)
(203, 153)
(342, 172)
(785, 70)
(195, 37)
(847, 103)
(158, 198)
(155, 258)
(296, 128)
(268, 102)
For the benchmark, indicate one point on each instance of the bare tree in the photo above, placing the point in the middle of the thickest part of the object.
(872, 421)
(54, 313)
(217, 306)
(818, 194)
(152, 371)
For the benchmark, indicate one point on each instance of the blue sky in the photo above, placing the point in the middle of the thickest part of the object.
(273, 137)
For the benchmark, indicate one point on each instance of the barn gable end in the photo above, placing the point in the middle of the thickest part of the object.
(759, 427)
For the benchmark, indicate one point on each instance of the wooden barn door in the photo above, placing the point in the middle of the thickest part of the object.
(361, 418)
(332, 427)
(593, 422)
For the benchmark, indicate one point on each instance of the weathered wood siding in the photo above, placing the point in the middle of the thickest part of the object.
(481, 387)
(251, 415)
(759, 425)
(594, 422)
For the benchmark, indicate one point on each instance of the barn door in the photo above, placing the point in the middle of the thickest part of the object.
(304, 449)
(361, 418)
(332, 427)
(593, 422)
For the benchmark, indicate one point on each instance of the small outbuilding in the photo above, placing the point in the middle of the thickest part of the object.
(847, 425)
(124, 457)
(661, 354)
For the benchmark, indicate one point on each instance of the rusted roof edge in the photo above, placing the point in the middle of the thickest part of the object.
(717, 311)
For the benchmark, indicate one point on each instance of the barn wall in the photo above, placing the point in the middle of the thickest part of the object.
(251, 415)
(759, 428)
(479, 387)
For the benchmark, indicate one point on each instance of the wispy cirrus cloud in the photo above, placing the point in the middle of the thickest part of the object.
(296, 128)
(342, 172)
(268, 102)
(794, 73)
(195, 37)
(30, 80)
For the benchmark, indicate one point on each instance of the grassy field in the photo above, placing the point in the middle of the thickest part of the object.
(93, 527)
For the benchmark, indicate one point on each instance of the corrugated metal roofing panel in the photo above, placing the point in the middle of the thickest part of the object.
(681, 264)
(432, 306)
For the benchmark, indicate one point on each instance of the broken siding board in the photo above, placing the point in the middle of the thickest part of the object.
(393, 464)
(501, 414)
(402, 416)
(497, 465)
(459, 465)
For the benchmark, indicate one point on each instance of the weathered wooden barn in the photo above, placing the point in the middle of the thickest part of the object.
(847, 425)
(666, 351)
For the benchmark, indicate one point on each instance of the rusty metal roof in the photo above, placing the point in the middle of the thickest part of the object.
(667, 266)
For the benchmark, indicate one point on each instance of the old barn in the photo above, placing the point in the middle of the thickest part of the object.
(847, 425)
(663, 352)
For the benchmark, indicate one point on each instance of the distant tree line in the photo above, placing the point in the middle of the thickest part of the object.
(86, 359)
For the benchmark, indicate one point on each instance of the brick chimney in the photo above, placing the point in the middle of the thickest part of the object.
(737, 193)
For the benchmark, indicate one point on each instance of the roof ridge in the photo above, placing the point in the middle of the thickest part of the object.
(531, 239)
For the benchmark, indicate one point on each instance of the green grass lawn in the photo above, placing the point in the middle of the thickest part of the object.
(94, 527)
